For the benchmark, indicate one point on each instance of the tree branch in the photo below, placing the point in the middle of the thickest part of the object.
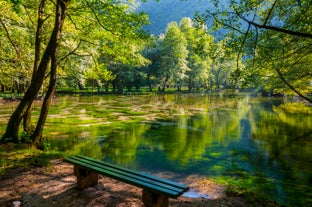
(10, 39)
(213, 15)
(97, 18)
(269, 14)
(291, 87)
(71, 52)
(277, 29)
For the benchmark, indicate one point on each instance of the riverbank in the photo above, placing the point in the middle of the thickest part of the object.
(55, 185)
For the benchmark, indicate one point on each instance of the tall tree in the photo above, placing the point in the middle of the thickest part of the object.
(174, 56)
(200, 47)
(222, 67)
(152, 52)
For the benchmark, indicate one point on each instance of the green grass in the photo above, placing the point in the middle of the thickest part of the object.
(247, 186)
(14, 156)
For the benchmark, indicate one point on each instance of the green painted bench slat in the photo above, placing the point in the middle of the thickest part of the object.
(152, 183)
(133, 174)
(123, 178)
(127, 179)
(140, 175)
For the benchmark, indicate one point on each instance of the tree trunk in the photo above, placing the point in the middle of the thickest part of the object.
(149, 83)
(164, 84)
(114, 85)
(27, 120)
(120, 85)
(106, 87)
(27, 116)
(36, 137)
(59, 20)
(81, 85)
(1, 88)
(190, 88)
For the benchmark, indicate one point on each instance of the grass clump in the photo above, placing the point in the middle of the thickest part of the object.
(247, 186)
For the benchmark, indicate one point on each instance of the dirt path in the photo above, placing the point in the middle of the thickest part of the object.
(55, 186)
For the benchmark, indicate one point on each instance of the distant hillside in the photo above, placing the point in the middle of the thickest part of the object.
(165, 11)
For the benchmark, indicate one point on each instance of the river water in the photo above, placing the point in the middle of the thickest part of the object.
(259, 144)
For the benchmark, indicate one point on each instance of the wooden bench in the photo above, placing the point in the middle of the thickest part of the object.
(156, 191)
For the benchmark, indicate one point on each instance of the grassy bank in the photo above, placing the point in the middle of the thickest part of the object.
(24, 156)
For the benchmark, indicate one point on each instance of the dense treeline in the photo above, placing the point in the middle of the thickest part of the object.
(185, 56)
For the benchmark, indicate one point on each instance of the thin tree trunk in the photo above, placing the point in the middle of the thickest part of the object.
(149, 83)
(1, 88)
(27, 116)
(106, 87)
(190, 85)
(164, 84)
(36, 137)
(59, 20)
(27, 121)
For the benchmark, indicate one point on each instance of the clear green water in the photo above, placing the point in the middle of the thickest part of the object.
(247, 141)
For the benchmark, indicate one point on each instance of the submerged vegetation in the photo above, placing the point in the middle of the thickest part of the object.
(295, 108)
(232, 139)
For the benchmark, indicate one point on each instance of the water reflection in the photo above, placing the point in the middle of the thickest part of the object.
(249, 141)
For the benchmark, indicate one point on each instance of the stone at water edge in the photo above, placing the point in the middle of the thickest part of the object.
(16, 203)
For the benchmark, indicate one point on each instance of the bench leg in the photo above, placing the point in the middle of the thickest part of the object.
(154, 200)
(85, 178)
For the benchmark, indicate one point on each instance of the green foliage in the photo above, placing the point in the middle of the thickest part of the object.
(295, 108)
(200, 47)
(173, 55)
(107, 35)
(25, 138)
(188, 56)
(15, 48)
(274, 38)
(224, 64)
(101, 28)
(17, 4)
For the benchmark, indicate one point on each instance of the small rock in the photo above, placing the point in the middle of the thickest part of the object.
(17, 203)
(100, 186)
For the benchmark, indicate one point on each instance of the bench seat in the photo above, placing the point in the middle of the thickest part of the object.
(156, 191)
